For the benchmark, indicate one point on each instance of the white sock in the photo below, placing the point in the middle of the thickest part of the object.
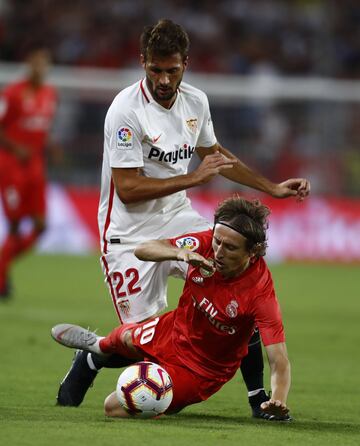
(95, 348)
(255, 392)
(91, 362)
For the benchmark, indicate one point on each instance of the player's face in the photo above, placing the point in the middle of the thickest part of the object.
(164, 75)
(230, 253)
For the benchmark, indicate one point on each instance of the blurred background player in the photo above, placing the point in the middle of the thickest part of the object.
(152, 130)
(228, 290)
(27, 109)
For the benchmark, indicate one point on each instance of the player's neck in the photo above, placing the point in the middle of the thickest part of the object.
(238, 272)
(35, 83)
(167, 103)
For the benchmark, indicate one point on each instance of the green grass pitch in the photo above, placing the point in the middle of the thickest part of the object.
(320, 305)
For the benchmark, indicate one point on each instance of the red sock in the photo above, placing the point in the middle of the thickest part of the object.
(113, 342)
(6, 256)
(13, 246)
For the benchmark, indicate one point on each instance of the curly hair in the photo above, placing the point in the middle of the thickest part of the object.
(164, 39)
(249, 218)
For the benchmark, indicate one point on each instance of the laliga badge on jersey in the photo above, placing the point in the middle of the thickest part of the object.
(192, 124)
(190, 243)
(205, 273)
(232, 309)
(124, 138)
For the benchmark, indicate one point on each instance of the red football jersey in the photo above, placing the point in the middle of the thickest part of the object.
(216, 317)
(26, 116)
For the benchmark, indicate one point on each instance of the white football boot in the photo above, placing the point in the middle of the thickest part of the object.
(74, 336)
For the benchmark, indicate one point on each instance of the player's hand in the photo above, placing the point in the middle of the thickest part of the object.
(211, 166)
(275, 408)
(294, 187)
(195, 259)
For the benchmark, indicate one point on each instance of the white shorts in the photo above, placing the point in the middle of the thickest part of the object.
(139, 289)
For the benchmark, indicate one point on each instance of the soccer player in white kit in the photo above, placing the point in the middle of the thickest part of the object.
(152, 129)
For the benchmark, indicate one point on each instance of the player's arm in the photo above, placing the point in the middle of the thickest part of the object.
(54, 149)
(161, 250)
(132, 186)
(13, 147)
(6, 115)
(280, 380)
(242, 174)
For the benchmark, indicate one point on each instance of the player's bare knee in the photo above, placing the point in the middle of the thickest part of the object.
(127, 340)
(108, 406)
(128, 344)
(112, 407)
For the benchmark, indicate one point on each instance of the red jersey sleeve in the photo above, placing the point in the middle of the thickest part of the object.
(268, 317)
(7, 106)
(197, 241)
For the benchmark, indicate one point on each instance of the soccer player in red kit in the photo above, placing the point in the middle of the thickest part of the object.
(152, 130)
(27, 109)
(228, 292)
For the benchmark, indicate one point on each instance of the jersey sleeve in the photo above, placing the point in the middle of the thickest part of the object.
(206, 136)
(197, 241)
(123, 137)
(268, 317)
(6, 106)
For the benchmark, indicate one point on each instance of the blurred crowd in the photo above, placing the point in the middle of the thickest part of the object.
(290, 37)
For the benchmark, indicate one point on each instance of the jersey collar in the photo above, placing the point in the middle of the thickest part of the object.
(145, 91)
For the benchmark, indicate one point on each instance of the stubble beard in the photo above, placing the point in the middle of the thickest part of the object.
(171, 95)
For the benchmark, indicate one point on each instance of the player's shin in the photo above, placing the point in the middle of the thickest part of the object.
(113, 361)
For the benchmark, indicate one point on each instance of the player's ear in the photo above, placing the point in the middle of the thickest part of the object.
(252, 258)
(254, 252)
(186, 62)
(142, 60)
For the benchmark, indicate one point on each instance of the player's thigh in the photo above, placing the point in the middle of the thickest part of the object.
(13, 196)
(138, 289)
(188, 387)
(36, 198)
(154, 339)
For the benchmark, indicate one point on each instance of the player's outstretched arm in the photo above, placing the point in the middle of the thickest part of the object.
(242, 174)
(132, 186)
(280, 380)
(161, 250)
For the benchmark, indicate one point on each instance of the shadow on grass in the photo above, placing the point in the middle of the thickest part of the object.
(198, 420)
(66, 415)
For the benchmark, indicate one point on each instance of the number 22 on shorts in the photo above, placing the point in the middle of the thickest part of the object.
(126, 284)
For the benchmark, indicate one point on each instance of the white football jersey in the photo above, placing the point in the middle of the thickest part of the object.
(139, 132)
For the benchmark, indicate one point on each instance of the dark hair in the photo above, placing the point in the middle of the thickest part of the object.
(164, 39)
(249, 218)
